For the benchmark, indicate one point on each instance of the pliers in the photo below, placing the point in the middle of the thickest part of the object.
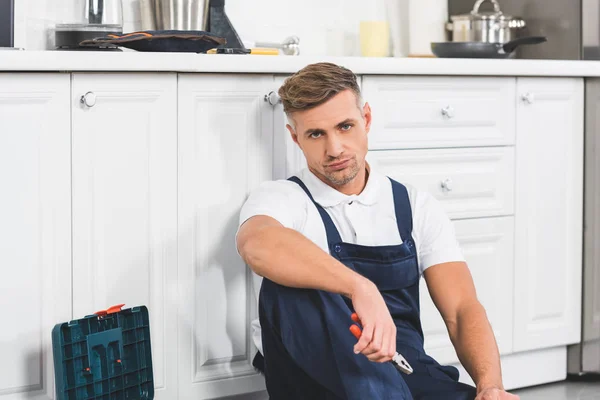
(399, 362)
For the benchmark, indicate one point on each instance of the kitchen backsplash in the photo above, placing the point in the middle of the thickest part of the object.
(325, 27)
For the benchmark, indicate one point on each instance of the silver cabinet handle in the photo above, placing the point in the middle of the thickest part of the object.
(528, 98)
(272, 98)
(448, 112)
(88, 99)
(447, 185)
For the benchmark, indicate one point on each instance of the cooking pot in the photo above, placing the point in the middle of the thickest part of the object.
(182, 15)
(486, 26)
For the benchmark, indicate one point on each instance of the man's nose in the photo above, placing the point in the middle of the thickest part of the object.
(335, 146)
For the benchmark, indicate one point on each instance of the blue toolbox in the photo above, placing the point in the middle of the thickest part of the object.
(104, 356)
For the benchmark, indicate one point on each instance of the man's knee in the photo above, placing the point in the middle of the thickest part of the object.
(277, 300)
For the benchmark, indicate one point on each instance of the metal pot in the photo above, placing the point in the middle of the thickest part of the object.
(487, 26)
(174, 14)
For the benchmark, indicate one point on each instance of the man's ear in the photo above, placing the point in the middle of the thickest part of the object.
(367, 116)
(293, 133)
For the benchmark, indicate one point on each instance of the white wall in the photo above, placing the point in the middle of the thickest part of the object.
(324, 26)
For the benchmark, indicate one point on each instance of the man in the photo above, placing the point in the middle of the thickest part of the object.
(341, 238)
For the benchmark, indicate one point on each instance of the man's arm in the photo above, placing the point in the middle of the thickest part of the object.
(288, 258)
(453, 292)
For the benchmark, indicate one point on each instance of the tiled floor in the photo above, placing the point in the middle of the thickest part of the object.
(562, 391)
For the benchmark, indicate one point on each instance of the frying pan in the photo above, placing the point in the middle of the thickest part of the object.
(481, 49)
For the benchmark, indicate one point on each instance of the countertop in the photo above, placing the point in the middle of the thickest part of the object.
(29, 61)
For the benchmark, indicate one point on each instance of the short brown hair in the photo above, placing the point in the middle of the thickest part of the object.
(314, 85)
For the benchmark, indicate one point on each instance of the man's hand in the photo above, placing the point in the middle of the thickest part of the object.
(378, 339)
(495, 394)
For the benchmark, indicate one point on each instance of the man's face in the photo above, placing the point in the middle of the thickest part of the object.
(333, 138)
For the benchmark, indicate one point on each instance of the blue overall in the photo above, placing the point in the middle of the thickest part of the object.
(308, 348)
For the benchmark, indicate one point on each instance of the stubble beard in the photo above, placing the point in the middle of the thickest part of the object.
(345, 176)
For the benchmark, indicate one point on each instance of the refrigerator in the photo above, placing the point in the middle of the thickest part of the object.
(584, 358)
(572, 28)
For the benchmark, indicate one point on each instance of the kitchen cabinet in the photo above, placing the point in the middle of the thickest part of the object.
(525, 170)
(124, 191)
(225, 150)
(548, 212)
(35, 232)
(126, 188)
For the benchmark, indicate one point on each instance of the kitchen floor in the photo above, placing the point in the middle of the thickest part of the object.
(553, 391)
(562, 391)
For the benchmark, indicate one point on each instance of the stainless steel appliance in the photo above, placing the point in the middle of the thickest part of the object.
(94, 18)
(584, 358)
(7, 27)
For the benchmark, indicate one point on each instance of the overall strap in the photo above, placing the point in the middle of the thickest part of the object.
(333, 236)
(403, 210)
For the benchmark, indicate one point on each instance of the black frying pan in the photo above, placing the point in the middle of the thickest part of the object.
(481, 49)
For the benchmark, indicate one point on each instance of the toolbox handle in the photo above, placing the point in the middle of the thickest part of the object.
(110, 310)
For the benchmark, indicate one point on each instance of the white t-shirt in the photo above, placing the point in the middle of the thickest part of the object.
(368, 219)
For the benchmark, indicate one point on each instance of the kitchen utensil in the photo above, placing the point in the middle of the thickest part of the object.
(398, 361)
(174, 14)
(482, 49)
(486, 26)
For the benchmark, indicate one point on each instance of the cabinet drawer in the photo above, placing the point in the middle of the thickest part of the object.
(468, 182)
(412, 112)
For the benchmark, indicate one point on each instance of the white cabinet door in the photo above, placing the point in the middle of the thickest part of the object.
(225, 150)
(288, 159)
(487, 244)
(548, 212)
(125, 204)
(35, 229)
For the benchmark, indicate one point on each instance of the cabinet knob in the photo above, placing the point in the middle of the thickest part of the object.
(272, 98)
(528, 98)
(447, 185)
(88, 99)
(448, 112)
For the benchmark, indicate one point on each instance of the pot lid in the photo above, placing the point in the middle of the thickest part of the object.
(475, 14)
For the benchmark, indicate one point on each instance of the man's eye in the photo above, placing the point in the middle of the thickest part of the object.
(346, 127)
(316, 135)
